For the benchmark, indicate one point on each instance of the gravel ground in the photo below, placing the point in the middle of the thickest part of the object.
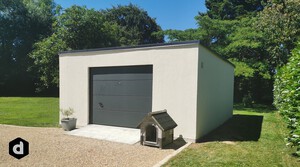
(51, 147)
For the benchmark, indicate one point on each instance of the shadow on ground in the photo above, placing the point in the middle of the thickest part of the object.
(179, 142)
(237, 128)
(260, 108)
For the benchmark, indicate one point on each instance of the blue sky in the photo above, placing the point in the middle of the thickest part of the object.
(169, 14)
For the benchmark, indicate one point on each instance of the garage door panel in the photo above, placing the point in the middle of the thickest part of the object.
(131, 76)
(123, 87)
(123, 70)
(116, 118)
(123, 103)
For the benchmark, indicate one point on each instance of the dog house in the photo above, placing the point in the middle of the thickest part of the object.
(120, 86)
(157, 129)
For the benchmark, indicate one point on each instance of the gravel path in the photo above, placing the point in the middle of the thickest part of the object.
(51, 147)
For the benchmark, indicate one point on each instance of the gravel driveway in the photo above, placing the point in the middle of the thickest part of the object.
(51, 147)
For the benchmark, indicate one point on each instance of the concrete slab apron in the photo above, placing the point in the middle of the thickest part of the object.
(109, 133)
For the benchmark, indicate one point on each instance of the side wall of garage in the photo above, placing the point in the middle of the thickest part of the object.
(215, 91)
(174, 80)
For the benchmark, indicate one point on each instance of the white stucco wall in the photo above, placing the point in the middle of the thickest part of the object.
(198, 97)
(215, 91)
(175, 71)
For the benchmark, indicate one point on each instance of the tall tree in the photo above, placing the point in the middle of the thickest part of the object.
(76, 28)
(23, 22)
(83, 28)
(232, 9)
(136, 26)
(279, 22)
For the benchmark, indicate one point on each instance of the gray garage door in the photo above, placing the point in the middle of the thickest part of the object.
(120, 96)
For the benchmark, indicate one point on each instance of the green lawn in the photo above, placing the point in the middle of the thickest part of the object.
(255, 137)
(24, 111)
(235, 144)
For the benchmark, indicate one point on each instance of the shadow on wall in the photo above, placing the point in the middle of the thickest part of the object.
(237, 128)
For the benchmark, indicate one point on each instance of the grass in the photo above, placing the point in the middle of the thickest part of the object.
(24, 111)
(253, 137)
(230, 146)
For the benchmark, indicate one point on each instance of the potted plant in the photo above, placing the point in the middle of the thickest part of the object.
(68, 123)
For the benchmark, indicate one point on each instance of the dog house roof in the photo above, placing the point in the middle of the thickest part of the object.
(161, 118)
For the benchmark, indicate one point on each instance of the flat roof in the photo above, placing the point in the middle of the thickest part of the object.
(132, 47)
(147, 46)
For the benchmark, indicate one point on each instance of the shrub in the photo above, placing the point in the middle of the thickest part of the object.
(67, 112)
(287, 96)
(247, 100)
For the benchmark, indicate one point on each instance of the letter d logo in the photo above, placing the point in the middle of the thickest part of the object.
(18, 148)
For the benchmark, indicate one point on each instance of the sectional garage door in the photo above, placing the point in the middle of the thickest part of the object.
(120, 96)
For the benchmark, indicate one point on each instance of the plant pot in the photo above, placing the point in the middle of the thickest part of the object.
(68, 124)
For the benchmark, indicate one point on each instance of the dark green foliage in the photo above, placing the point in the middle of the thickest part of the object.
(45, 56)
(248, 100)
(136, 26)
(76, 28)
(279, 24)
(83, 28)
(245, 49)
(287, 96)
(232, 9)
(23, 22)
(182, 35)
(214, 32)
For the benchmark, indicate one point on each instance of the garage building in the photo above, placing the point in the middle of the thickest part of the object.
(119, 86)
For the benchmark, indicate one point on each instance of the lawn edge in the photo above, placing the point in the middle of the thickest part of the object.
(21, 126)
(167, 158)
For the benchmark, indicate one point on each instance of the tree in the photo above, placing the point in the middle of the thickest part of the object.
(232, 9)
(245, 48)
(246, 44)
(23, 22)
(182, 35)
(45, 56)
(83, 28)
(76, 28)
(279, 23)
(136, 26)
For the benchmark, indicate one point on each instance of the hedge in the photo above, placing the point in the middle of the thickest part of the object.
(287, 97)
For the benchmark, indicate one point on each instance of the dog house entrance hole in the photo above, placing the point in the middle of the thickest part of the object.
(151, 133)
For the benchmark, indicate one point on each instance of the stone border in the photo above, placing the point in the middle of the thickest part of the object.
(167, 158)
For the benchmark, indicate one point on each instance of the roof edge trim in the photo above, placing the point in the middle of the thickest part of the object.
(147, 46)
(130, 47)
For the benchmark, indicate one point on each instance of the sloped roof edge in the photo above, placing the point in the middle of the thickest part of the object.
(164, 124)
(147, 46)
(132, 47)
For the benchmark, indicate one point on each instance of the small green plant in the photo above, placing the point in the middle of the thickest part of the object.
(247, 100)
(67, 112)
